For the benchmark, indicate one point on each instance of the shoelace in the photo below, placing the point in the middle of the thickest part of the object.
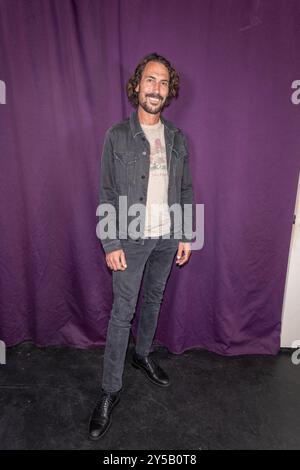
(103, 404)
(153, 364)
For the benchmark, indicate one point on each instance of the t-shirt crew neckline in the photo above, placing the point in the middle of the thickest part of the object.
(152, 126)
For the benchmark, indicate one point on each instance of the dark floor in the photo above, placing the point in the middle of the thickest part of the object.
(215, 402)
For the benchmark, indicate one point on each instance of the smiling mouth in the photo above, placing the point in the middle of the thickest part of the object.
(154, 100)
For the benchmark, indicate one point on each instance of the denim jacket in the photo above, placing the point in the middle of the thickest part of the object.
(125, 167)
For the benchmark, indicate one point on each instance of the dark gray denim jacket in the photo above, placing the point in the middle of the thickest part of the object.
(125, 172)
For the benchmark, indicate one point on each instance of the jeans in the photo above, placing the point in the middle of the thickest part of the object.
(155, 256)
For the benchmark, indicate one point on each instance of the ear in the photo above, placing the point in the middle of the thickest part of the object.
(137, 88)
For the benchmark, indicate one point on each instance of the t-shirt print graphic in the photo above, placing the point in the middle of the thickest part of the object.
(157, 158)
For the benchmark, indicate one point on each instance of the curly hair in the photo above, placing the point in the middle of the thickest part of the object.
(134, 80)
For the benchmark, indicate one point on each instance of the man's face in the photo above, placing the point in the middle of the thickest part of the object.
(153, 88)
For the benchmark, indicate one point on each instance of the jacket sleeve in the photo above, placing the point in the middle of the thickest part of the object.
(187, 197)
(109, 195)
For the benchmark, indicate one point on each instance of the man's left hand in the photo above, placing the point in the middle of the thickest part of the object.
(183, 253)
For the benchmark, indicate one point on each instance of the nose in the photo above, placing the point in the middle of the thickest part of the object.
(157, 88)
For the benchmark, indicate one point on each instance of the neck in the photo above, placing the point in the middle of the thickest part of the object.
(147, 118)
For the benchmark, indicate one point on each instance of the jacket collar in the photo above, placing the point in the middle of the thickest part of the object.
(136, 127)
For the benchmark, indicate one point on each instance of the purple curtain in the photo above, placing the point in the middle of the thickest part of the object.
(65, 65)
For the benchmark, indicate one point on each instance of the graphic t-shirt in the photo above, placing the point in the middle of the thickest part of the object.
(158, 220)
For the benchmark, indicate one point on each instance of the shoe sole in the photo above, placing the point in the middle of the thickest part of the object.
(145, 373)
(92, 438)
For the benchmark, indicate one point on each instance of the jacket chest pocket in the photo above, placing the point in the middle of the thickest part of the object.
(125, 166)
(178, 161)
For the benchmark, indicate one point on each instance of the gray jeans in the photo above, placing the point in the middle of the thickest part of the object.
(156, 257)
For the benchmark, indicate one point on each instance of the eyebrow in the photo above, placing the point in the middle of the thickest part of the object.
(163, 80)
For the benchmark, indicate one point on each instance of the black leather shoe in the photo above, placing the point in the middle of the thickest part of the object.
(151, 369)
(101, 417)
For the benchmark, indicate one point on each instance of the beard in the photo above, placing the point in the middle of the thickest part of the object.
(151, 108)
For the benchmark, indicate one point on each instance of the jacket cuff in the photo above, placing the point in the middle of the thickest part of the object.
(111, 245)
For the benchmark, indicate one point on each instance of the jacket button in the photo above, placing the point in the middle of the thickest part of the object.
(141, 198)
(143, 176)
(144, 153)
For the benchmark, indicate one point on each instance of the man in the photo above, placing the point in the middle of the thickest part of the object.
(145, 159)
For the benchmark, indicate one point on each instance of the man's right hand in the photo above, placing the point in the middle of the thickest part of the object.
(116, 260)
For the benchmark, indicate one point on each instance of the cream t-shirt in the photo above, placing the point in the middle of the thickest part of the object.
(157, 220)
